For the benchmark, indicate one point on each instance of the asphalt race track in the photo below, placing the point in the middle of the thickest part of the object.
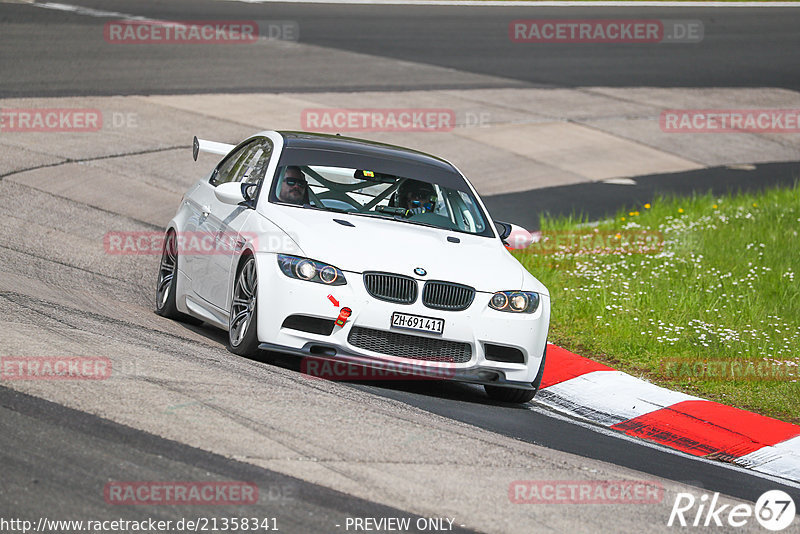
(741, 48)
(596, 201)
(76, 440)
(180, 407)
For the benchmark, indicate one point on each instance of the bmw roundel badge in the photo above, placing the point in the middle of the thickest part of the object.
(420, 271)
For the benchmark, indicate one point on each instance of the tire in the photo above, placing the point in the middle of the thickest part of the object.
(166, 283)
(516, 395)
(243, 321)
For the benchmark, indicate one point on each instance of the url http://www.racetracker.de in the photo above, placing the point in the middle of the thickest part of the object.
(198, 524)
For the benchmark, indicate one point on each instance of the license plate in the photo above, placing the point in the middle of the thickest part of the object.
(417, 322)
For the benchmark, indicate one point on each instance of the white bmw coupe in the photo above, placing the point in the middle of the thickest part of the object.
(359, 252)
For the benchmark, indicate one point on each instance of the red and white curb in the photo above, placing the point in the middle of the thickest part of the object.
(588, 390)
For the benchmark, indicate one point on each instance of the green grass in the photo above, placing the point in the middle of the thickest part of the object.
(722, 288)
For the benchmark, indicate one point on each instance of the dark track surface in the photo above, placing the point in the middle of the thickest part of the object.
(51, 53)
(63, 477)
(468, 404)
(598, 200)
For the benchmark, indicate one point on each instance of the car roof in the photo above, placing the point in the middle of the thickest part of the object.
(360, 147)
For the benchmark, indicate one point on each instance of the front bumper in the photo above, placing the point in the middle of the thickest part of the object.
(280, 296)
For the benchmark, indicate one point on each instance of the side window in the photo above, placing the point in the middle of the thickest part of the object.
(227, 169)
(256, 164)
(247, 164)
(466, 213)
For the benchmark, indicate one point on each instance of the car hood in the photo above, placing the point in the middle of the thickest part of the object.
(373, 244)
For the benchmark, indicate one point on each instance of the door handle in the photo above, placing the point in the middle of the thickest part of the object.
(206, 210)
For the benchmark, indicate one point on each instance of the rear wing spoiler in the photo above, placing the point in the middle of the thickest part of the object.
(211, 147)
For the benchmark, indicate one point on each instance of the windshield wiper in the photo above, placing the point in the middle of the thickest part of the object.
(324, 208)
(377, 215)
(429, 225)
(400, 218)
(394, 210)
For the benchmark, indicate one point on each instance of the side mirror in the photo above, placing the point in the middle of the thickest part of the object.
(519, 238)
(230, 193)
(513, 236)
(504, 229)
(249, 191)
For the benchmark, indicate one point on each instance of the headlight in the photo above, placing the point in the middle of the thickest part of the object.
(499, 301)
(305, 269)
(329, 274)
(515, 301)
(310, 270)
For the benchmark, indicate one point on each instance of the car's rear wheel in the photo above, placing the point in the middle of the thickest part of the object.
(516, 395)
(166, 284)
(242, 326)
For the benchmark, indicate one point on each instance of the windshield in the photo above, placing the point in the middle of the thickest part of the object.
(371, 193)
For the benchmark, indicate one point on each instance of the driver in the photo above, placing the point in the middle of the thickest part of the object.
(417, 196)
(293, 188)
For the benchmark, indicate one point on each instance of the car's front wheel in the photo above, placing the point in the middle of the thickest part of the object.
(242, 326)
(516, 395)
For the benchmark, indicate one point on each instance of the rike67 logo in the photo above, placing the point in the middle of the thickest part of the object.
(774, 510)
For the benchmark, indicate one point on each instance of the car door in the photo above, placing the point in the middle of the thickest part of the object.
(198, 203)
(222, 229)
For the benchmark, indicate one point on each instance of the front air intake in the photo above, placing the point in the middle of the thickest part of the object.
(502, 353)
(312, 325)
(410, 346)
